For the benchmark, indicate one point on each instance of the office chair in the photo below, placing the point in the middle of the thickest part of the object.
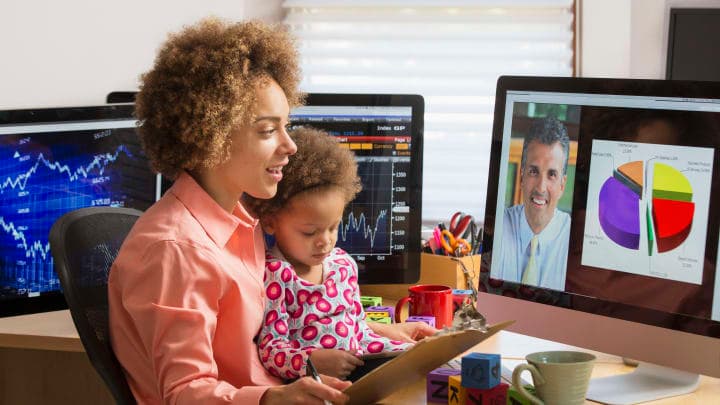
(84, 244)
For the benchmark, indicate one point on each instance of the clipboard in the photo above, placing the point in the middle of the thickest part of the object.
(415, 363)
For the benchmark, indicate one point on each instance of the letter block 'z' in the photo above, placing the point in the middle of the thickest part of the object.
(437, 384)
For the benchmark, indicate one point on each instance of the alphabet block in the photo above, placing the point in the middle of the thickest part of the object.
(380, 319)
(457, 394)
(493, 396)
(379, 308)
(437, 384)
(480, 370)
(374, 314)
(430, 320)
(368, 301)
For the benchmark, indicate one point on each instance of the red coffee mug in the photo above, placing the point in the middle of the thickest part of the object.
(429, 300)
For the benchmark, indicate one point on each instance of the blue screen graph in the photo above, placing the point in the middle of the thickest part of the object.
(365, 226)
(45, 175)
(363, 233)
(380, 228)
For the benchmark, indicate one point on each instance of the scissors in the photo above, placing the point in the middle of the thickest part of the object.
(461, 225)
(452, 245)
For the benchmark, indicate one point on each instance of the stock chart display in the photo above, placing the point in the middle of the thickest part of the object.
(376, 224)
(45, 174)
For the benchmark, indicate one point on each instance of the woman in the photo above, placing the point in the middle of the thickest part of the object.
(186, 290)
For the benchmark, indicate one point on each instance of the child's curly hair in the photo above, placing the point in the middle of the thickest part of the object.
(203, 85)
(320, 163)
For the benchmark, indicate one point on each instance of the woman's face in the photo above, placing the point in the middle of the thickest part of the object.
(261, 149)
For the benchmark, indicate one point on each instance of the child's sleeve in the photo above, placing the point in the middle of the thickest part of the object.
(370, 342)
(281, 355)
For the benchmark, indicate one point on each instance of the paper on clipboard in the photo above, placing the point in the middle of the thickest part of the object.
(414, 364)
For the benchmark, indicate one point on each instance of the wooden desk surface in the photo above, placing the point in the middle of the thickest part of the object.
(44, 331)
(514, 347)
(55, 331)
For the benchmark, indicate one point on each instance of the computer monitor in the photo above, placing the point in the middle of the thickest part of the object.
(381, 226)
(52, 161)
(690, 56)
(617, 183)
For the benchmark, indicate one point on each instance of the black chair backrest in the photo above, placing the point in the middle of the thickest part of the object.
(84, 244)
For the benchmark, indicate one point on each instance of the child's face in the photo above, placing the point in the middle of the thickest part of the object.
(307, 228)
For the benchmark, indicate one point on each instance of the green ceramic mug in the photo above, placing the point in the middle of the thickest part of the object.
(560, 377)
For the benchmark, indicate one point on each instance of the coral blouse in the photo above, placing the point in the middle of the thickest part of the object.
(186, 301)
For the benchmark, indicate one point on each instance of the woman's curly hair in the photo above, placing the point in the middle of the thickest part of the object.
(203, 85)
(320, 163)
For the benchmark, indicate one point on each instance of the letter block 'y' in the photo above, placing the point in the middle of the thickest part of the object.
(496, 395)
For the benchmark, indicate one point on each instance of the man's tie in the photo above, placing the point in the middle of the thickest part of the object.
(530, 275)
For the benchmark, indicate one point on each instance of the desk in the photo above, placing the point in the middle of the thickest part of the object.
(41, 358)
(514, 347)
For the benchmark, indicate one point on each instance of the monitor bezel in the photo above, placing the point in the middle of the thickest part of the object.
(54, 301)
(411, 272)
(629, 87)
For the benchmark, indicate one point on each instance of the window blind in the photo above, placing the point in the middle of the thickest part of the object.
(451, 53)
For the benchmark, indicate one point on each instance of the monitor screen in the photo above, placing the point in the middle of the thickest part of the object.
(53, 161)
(381, 226)
(690, 56)
(603, 199)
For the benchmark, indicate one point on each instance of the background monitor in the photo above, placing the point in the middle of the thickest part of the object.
(628, 262)
(692, 53)
(381, 226)
(53, 161)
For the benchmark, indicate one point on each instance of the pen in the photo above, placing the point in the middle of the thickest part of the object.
(314, 374)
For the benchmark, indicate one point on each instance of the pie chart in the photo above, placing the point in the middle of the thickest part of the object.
(665, 212)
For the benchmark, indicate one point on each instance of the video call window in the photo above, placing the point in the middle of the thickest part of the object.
(538, 194)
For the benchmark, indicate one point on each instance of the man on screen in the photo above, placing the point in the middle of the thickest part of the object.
(535, 233)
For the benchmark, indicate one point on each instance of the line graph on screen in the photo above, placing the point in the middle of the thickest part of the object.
(45, 175)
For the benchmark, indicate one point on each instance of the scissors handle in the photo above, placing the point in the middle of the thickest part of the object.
(452, 245)
(460, 224)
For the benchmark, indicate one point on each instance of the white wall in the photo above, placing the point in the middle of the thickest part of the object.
(74, 52)
(605, 38)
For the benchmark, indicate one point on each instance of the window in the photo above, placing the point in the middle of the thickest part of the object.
(451, 53)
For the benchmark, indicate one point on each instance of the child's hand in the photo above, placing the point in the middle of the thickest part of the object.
(334, 362)
(405, 332)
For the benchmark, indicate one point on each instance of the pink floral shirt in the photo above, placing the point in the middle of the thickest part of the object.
(301, 316)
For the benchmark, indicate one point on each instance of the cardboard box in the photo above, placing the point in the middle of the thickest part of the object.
(434, 269)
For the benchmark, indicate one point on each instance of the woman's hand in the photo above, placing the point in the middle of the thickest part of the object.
(405, 332)
(307, 391)
(334, 362)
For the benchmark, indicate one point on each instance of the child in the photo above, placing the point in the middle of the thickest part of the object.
(313, 302)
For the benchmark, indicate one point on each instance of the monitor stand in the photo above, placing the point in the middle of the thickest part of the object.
(647, 383)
